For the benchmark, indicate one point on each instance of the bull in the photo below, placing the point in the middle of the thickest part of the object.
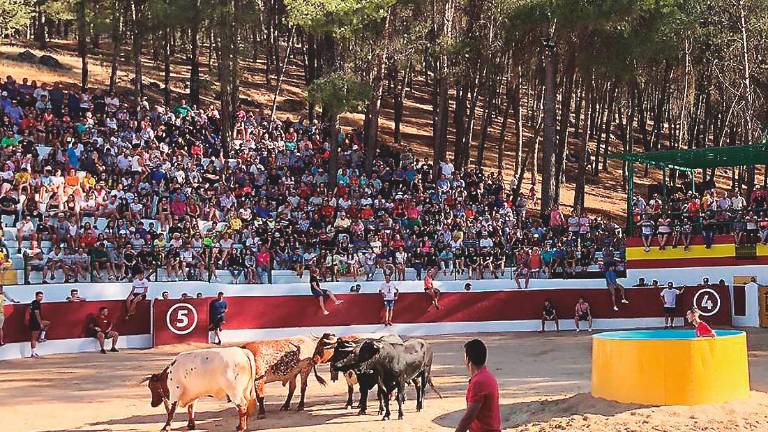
(223, 373)
(332, 349)
(394, 365)
(284, 360)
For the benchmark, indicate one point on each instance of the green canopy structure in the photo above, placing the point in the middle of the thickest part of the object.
(690, 160)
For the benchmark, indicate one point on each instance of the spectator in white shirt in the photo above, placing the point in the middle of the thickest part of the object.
(669, 298)
(139, 290)
(389, 293)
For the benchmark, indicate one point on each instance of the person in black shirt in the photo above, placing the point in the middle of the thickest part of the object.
(549, 313)
(472, 262)
(320, 293)
(37, 325)
(9, 206)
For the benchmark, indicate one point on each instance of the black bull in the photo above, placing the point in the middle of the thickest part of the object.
(393, 366)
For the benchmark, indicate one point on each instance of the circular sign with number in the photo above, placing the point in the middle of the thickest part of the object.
(181, 318)
(707, 301)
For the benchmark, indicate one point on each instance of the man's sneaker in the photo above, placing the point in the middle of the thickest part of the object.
(616, 308)
(625, 301)
(34, 355)
(103, 351)
(114, 350)
(41, 340)
(578, 330)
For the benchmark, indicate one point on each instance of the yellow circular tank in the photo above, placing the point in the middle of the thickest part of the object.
(670, 367)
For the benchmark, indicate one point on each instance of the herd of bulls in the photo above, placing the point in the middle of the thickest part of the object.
(238, 374)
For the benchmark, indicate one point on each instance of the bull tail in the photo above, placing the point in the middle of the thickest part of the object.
(252, 394)
(319, 379)
(432, 386)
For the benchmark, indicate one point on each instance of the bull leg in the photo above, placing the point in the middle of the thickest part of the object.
(304, 379)
(363, 405)
(380, 395)
(242, 413)
(261, 414)
(350, 393)
(400, 399)
(417, 384)
(171, 412)
(191, 415)
(291, 389)
(384, 394)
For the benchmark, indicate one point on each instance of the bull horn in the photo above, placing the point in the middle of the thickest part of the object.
(145, 379)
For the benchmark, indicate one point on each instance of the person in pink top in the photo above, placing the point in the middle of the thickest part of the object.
(556, 219)
(482, 414)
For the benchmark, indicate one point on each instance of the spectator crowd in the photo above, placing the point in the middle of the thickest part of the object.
(118, 186)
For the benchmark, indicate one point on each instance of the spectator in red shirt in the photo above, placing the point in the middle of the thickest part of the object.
(101, 329)
(702, 328)
(482, 413)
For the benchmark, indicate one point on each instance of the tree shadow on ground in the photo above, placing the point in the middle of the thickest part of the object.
(542, 411)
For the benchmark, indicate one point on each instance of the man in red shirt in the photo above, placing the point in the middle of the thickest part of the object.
(101, 329)
(702, 329)
(482, 413)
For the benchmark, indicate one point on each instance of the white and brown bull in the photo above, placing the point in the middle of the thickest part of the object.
(222, 373)
(284, 360)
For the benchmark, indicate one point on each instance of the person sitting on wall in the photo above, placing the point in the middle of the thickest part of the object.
(549, 313)
(139, 288)
(583, 313)
(320, 293)
(101, 329)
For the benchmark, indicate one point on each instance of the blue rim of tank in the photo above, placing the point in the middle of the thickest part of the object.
(662, 334)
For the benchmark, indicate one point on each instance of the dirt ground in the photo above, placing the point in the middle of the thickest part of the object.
(544, 382)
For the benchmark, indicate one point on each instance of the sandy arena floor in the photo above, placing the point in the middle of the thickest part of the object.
(544, 387)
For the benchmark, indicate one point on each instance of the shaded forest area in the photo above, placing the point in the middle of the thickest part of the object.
(536, 88)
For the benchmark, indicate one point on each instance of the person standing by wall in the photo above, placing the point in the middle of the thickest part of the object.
(389, 292)
(3, 296)
(37, 325)
(669, 298)
(216, 310)
(482, 414)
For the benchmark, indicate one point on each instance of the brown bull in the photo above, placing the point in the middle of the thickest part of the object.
(284, 360)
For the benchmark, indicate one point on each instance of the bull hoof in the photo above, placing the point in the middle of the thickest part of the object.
(399, 416)
(284, 407)
(261, 416)
(190, 426)
(300, 408)
(385, 418)
(362, 412)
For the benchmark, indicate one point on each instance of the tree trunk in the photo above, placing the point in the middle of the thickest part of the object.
(138, 40)
(581, 177)
(519, 121)
(311, 74)
(282, 72)
(548, 173)
(374, 105)
(509, 102)
(167, 67)
(82, 43)
(194, 54)
(609, 126)
(398, 105)
(234, 90)
(117, 40)
(225, 70)
(40, 26)
(569, 76)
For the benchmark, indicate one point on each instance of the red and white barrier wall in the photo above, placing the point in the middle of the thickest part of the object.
(262, 312)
